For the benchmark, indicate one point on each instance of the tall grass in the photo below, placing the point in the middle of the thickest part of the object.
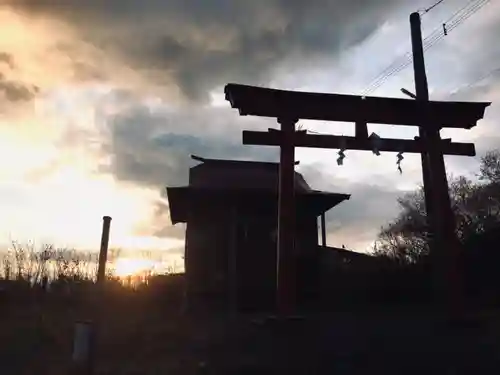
(44, 290)
(36, 266)
(46, 264)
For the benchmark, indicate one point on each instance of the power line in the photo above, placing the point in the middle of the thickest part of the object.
(473, 83)
(437, 35)
(430, 41)
(460, 10)
(433, 6)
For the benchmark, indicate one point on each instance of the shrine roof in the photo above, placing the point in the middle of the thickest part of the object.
(182, 199)
(243, 174)
(237, 162)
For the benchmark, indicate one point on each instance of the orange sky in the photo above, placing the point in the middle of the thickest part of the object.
(52, 184)
(51, 190)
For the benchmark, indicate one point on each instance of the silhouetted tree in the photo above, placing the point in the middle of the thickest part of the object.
(490, 167)
(476, 206)
(477, 212)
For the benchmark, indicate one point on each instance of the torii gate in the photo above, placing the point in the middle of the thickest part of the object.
(290, 106)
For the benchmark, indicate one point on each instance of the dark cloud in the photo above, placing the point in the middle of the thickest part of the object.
(154, 149)
(483, 86)
(166, 230)
(7, 59)
(162, 226)
(14, 91)
(357, 220)
(202, 45)
(480, 86)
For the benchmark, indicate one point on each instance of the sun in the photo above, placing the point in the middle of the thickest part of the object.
(132, 266)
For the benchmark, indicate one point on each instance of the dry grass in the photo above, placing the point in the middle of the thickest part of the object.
(142, 331)
(141, 334)
(31, 264)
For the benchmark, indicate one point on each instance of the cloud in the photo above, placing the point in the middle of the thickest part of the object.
(13, 90)
(17, 91)
(161, 226)
(153, 149)
(200, 45)
(150, 53)
(356, 222)
(485, 134)
(7, 59)
(42, 54)
(146, 146)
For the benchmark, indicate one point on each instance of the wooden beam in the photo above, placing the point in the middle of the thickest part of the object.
(303, 139)
(259, 101)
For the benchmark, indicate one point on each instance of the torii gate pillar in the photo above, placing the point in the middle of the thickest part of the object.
(285, 283)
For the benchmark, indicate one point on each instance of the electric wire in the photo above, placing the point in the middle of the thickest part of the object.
(432, 39)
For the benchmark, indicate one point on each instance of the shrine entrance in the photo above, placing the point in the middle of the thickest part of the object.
(288, 107)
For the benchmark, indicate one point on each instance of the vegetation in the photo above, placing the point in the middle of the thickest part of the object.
(45, 291)
(476, 206)
(23, 262)
(142, 329)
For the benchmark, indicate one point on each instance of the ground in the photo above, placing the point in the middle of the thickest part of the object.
(138, 337)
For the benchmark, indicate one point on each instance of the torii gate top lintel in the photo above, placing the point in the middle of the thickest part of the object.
(266, 102)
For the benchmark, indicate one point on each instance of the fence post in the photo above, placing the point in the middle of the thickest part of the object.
(103, 253)
(85, 336)
(83, 342)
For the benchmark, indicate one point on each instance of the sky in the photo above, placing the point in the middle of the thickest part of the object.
(103, 102)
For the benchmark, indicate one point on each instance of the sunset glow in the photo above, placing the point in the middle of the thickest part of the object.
(124, 267)
(97, 118)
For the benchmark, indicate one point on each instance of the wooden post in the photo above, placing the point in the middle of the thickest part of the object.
(83, 348)
(103, 253)
(285, 296)
(438, 204)
(323, 230)
(232, 261)
(85, 339)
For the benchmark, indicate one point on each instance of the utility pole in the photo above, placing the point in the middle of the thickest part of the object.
(422, 94)
(444, 242)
